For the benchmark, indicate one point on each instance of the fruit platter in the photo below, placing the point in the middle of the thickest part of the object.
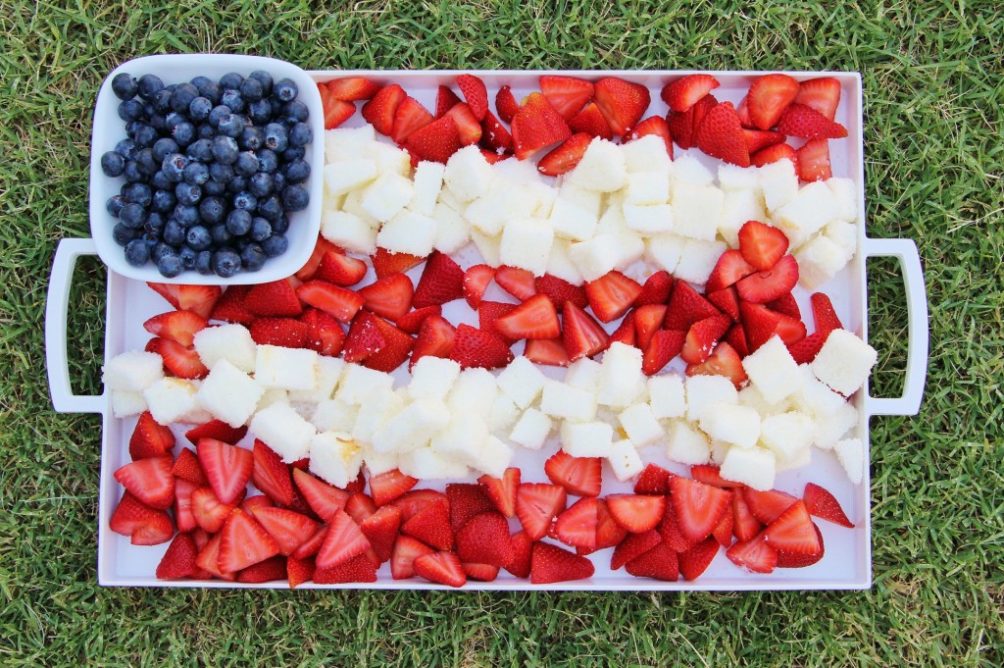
(591, 330)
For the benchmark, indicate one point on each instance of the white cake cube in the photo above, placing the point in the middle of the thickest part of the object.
(698, 260)
(428, 183)
(583, 373)
(335, 458)
(426, 464)
(666, 396)
(687, 445)
(650, 187)
(851, 455)
(828, 429)
(468, 175)
(560, 264)
(505, 200)
(358, 381)
(348, 231)
(488, 247)
(648, 219)
(647, 153)
(448, 198)
(170, 399)
(587, 439)
(412, 427)
(503, 413)
(665, 251)
(229, 394)
(283, 430)
(408, 232)
(334, 415)
(624, 460)
(704, 392)
(819, 260)
(390, 159)
(575, 213)
(596, 257)
(125, 403)
(844, 362)
(286, 368)
(621, 380)
(270, 396)
(750, 396)
(602, 168)
(521, 381)
(474, 392)
(627, 246)
(387, 195)
(452, 232)
(526, 243)
(844, 235)
(231, 342)
(379, 462)
(779, 184)
(329, 372)
(719, 449)
(346, 175)
(379, 406)
(462, 439)
(495, 457)
(433, 378)
(612, 218)
(734, 177)
(531, 429)
(812, 208)
(568, 403)
(773, 371)
(640, 425)
(689, 169)
(738, 207)
(754, 467)
(846, 195)
(799, 459)
(787, 433)
(732, 423)
(814, 397)
(353, 203)
(696, 210)
(348, 143)
(133, 371)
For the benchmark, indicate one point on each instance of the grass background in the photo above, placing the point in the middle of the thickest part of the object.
(934, 93)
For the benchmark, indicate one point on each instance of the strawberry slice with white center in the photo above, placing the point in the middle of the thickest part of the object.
(243, 542)
(178, 326)
(338, 268)
(183, 515)
(178, 360)
(502, 491)
(583, 336)
(769, 505)
(761, 245)
(517, 282)
(442, 568)
(730, 269)
(702, 337)
(744, 525)
(683, 93)
(537, 504)
(637, 513)
(389, 297)
(209, 512)
(563, 158)
(549, 352)
(549, 563)
(475, 282)
(406, 551)
(442, 281)
(145, 525)
(389, 485)
(533, 319)
(698, 507)
(578, 475)
(724, 361)
(324, 499)
(813, 160)
(352, 89)
(793, 533)
(537, 125)
(768, 97)
(755, 555)
(199, 299)
(623, 103)
(344, 540)
(566, 94)
(822, 94)
(227, 467)
(341, 303)
(290, 529)
(768, 285)
(577, 526)
(822, 504)
(611, 295)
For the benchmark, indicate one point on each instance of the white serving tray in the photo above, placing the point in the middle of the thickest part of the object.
(847, 562)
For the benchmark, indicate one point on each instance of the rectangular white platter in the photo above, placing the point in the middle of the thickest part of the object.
(847, 562)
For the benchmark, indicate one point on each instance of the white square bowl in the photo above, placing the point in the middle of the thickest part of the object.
(109, 129)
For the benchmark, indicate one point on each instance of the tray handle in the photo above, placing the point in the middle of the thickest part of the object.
(56, 303)
(905, 250)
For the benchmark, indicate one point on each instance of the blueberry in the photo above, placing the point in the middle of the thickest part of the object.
(212, 210)
(251, 139)
(183, 96)
(164, 147)
(132, 172)
(300, 134)
(233, 99)
(252, 90)
(231, 125)
(198, 237)
(238, 222)
(205, 131)
(253, 257)
(275, 245)
(297, 171)
(196, 173)
(231, 81)
(201, 150)
(186, 214)
(163, 201)
(203, 262)
(240, 244)
(246, 201)
(173, 167)
(113, 164)
(218, 112)
(247, 163)
(268, 161)
(260, 111)
(278, 181)
(294, 153)
(226, 263)
(170, 265)
(114, 205)
(138, 193)
(220, 172)
(174, 232)
(270, 209)
(295, 111)
(157, 121)
(263, 78)
(188, 257)
(149, 86)
(160, 181)
(188, 194)
(123, 234)
(237, 184)
(207, 88)
(124, 86)
(133, 215)
(280, 224)
(261, 229)
(295, 198)
(220, 234)
(213, 187)
(260, 184)
(199, 108)
(126, 148)
(183, 133)
(225, 150)
(172, 119)
(154, 224)
(162, 101)
(144, 160)
(285, 90)
(137, 253)
(144, 135)
(276, 137)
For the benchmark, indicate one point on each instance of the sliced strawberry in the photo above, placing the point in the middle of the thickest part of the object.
(199, 299)
(609, 532)
(577, 526)
(683, 126)
(768, 97)
(286, 332)
(799, 120)
(805, 350)
(324, 333)
(178, 326)
(635, 545)
(475, 94)
(549, 352)
(520, 551)
(583, 336)
(647, 321)
(178, 360)
(696, 560)
(465, 501)
(768, 285)
(406, 551)
(359, 507)
(227, 467)
(565, 156)
(686, 307)
(793, 533)
(299, 571)
(313, 263)
(409, 117)
(435, 337)
(744, 525)
(416, 500)
(724, 361)
(533, 319)
(671, 532)
(760, 139)
(767, 506)
(243, 542)
(477, 348)
(566, 94)
(431, 525)
(209, 512)
(537, 125)
(822, 95)
(339, 302)
(324, 500)
(217, 429)
(578, 475)
(623, 103)
(436, 141)
(659, 563)
(363, 340)
(412, 321)
(269, 570)
(446, 99)
(743, 110)
(343, 541)
(652, 480)
(467, 124)
(289, 529)
(277, 298)
(813, 160)
(252, 503)
(729, 270)
(625, 332)
(755, 555)
(698, 507)
(502, 492)
(386, 263)
(352, 89)
(537, 504)
(167, 291)
(158, 530)
(702, 337)
(709, 475)
(313, 545)
(611, 295)
(380, 530)
(186, 467)
(485, 539)
(736, 337)
(149, 480)
(637, 513)
(475, 281)
(505, 104)
(822, 504)
(664, 346)
(761, 323)
(558, 290)
(389, 296)
(489, 312)
(590, 121)
(141, 522)
(494, 136)
(549, 563)
(480, 572)
(340, 269)
(801, 560)
(721, 135)
(683, 93)
(357, 569)
(440, 567)
(823, 314)
(150, 439)
(727, 301)
(517, 282)
(656, 289)
(653, 125)
(442, 281)
(382, 107)
(335, 111)
(179, 560)
(394, 353)
(722, 533)
(762, 245)
(230, 307)
(786, 305)
(766, 156)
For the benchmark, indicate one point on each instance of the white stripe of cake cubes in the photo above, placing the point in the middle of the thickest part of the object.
(132, 371)
(231, 342)
(335, 458)
(531, 429)
(601, 169)
(587, 439)
(844, 362)
(773, 371)
(286, 368)
(284, 430)
(229, 394)
(624, 460)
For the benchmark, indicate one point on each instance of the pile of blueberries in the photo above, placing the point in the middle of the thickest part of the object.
(212, 171)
